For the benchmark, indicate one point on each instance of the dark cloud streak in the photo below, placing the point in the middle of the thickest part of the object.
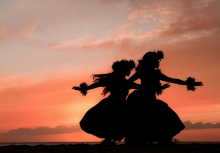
(43, 130)
(64, 129)
(200, 125)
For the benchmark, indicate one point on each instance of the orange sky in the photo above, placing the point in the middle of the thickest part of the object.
(46, 47)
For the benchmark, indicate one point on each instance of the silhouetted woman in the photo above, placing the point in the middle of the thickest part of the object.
(150, 119)
(105, 120)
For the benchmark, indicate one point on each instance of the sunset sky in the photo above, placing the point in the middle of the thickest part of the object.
(48, 46)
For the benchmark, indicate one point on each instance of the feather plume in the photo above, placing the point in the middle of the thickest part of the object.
(83, 88)
(190, 83)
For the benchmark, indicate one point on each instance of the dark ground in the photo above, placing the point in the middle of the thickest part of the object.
(84, 148)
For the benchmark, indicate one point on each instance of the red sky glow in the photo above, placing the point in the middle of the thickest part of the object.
(46, 47)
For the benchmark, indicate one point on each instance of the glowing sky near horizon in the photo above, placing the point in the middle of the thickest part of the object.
(46, 47)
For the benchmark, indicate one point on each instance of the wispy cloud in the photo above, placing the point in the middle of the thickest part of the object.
(174, 14)
(25, 33)
(181, 21)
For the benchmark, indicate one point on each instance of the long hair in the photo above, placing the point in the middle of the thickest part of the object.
(109, 79)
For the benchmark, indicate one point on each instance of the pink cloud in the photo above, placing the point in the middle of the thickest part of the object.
(25, 33)
(192, 17)
(178, 21)
(131, 19)
(179, 17)
(136, 14)
(47, 13)
(185, 26)
(85, 43)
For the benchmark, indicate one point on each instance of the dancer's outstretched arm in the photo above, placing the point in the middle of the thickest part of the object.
(178, 81)
(92, 86)
(84, 87)
(134, 77)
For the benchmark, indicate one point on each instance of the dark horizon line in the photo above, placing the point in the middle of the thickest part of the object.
(93, 142)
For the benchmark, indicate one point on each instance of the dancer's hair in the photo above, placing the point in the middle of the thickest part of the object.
(118, 67)
(149, 57)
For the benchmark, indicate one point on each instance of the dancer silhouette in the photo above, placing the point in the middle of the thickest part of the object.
(149, 119)
(106, 119)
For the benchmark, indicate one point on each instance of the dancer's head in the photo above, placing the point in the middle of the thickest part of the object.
(151, 59)
(123, 67)
(120, 70)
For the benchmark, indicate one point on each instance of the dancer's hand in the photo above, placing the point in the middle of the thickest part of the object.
(164, 87)
(167, 85)
(198, 84)
(76, 88)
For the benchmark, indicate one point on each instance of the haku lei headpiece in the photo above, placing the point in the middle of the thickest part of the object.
(160, 54)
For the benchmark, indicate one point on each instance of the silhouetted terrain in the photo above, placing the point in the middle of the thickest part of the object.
(84, 148)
